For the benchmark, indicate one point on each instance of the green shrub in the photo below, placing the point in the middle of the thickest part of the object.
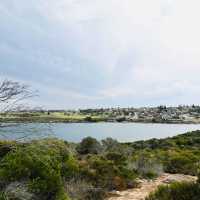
(177, 191)
(89, 145)
(61, 195)
(3, 196)
(104, 173)
(181, 162)
(150, 175)
(117, 158)
(42, 164)
(88, 119)
(111, 145)
(6, 147)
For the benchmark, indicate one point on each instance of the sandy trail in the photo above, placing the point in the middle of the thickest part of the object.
(147, 187)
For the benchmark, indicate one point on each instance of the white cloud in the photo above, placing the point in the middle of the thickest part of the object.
(142, 50)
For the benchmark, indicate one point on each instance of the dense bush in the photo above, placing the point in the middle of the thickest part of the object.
(48, 167)
(107, 173)
(179, 154)
(190, 140)
(111, 145)
(179, 163)
(117, 158)
(6, 147)
(56, 170)
(42, 165)
(177, 191)
(89, 145)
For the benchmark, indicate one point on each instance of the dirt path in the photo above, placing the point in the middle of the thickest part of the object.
(149, 186)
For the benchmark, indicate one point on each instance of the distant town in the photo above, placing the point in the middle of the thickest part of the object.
(161, 114)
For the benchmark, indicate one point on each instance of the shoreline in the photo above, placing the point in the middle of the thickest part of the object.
(57, 120)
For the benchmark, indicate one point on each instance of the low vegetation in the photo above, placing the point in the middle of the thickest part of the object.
(57, 170)
(177, 191)
(179, 154)
(49, 117)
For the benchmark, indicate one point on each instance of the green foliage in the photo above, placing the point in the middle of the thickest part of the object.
(42, 164)
(182, 163)
(88, 119)
(48, 167)
(179, 154)
(3, 196)
(120, 119)
(6, 147)
(103, 173)
(61, 195)
(117, 158)
(177, 191)
(89, 145)
(190, 140)
(111, 145)
(94, 119)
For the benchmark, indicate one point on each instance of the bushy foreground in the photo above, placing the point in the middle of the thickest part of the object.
(52, 169)
(39, 167)
(177, 191)
(179, 154)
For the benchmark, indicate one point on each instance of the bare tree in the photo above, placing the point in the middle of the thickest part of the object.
(12, 94)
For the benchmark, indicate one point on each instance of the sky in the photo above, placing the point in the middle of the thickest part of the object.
(103, 53)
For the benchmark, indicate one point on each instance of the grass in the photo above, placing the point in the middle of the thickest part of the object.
(51, 117)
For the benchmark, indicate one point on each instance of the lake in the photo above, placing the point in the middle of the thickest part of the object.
(75, 132)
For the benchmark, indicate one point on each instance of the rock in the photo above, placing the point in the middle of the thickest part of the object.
(168, 181)
(114, 193)
(18, 191)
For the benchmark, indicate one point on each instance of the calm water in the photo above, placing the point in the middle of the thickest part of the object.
(74, 132)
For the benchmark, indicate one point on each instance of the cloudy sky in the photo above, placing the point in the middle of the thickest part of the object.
(94, 53)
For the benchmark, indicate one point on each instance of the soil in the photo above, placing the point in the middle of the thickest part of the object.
(146, 187)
